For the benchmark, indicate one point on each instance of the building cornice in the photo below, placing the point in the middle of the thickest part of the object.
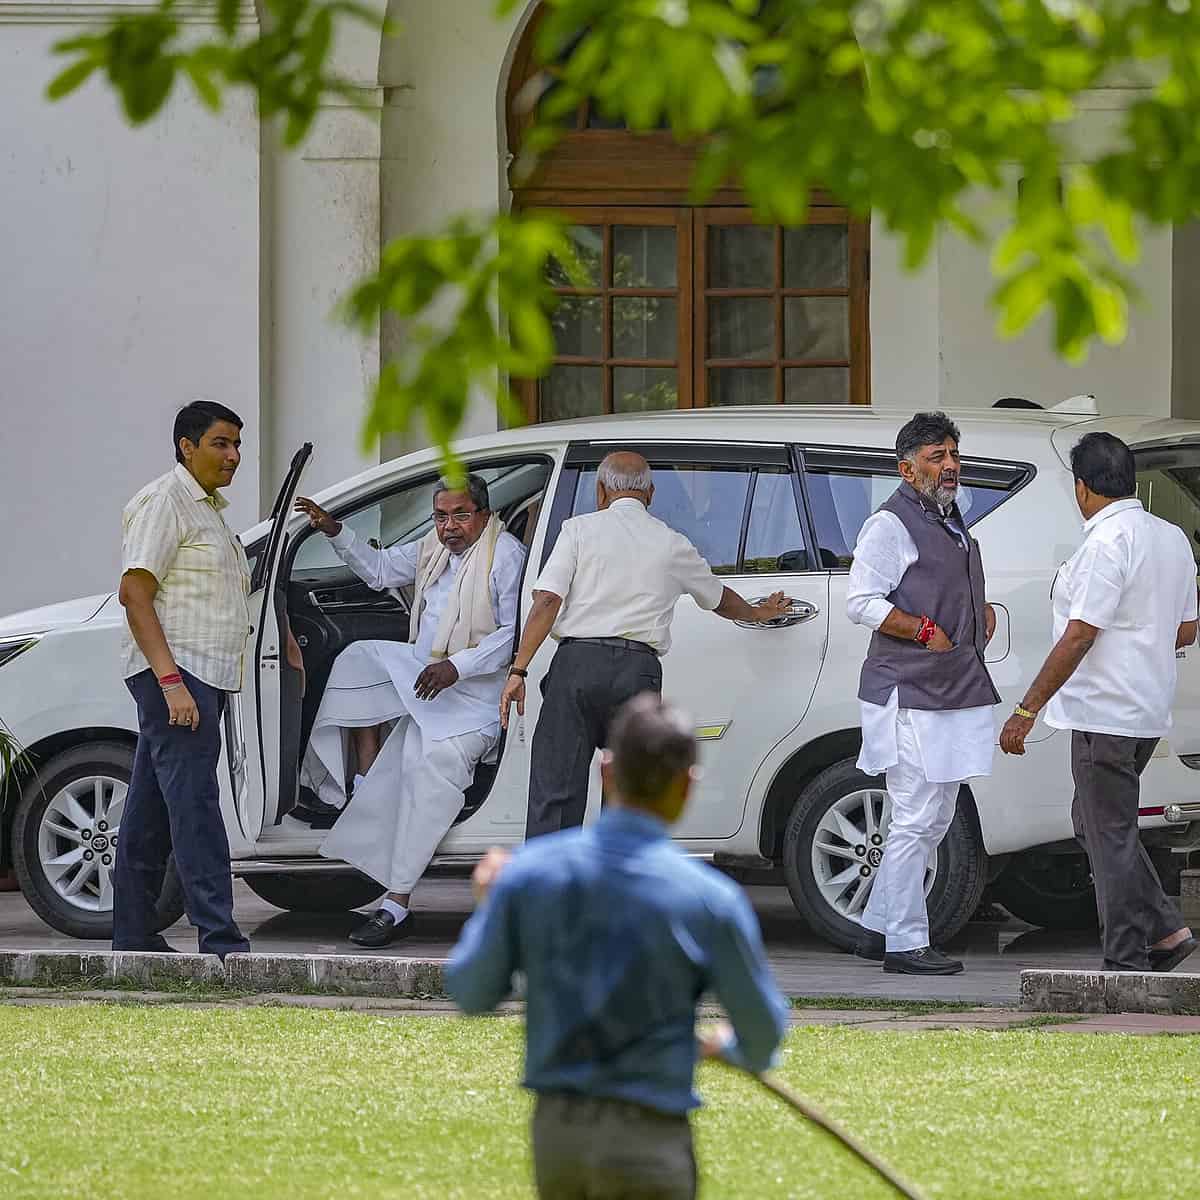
(71, 12)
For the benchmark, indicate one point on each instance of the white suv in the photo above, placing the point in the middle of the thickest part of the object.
(774, 499)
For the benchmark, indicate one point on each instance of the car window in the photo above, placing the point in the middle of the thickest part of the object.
(1168, 484)
(707, 504)
(841, 502)
(407, 514)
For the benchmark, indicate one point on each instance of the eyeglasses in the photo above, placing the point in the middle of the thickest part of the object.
(460, 516)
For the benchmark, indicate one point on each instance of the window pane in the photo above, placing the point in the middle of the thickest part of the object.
(842, 501)
(645, 389)
(644, 256)
(576, 323)
(1168, 484)
(736, 385)
(816, 385)
(588, 244)
(645, 328)
(741, 328)
(741, 256)
(572, 392)
(703, 503)
(775, 539)
(816, 256)
(816, 327)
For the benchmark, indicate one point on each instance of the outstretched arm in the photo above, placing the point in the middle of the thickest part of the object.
(1061, 663)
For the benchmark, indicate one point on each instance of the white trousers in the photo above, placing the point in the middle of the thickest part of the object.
(406, 805)
(921, 815)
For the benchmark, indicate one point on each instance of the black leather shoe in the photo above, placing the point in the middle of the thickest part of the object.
(1168, 960)
(315, 811)
(925, 961)
(381, 929)
(870, 945)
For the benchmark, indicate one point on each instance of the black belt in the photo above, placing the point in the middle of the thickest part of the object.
(619, 643)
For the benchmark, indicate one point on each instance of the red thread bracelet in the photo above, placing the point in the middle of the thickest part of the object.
(169, 680)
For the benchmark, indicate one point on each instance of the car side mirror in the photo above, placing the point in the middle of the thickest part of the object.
(793, 560)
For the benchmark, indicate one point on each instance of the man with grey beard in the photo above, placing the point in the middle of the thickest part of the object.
(925, 695)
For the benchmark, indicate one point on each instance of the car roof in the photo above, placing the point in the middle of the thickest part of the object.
(1023, 435)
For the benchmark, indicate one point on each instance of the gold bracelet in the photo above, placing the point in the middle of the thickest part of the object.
(1024, 712)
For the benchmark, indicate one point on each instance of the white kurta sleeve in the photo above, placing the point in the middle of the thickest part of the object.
(496, 650)
(885, 550)
(379, 569)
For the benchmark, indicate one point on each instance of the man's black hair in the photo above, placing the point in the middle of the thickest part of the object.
(194, 420)
(476, 488)
(925, 429)
(1105, 464)
(651, 743)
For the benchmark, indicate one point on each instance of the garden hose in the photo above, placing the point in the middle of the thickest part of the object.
(817, 1117)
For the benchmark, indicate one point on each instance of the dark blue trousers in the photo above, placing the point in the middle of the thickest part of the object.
(174, 804)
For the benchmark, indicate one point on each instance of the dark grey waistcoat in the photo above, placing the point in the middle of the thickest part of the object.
(945, 584)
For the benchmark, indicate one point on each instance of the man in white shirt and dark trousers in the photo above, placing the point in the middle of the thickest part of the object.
(925, 695)
(1124, 607)
(608, 592)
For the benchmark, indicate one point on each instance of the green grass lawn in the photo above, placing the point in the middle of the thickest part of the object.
(284, 1104)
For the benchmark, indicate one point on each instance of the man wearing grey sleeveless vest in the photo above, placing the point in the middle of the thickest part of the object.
(925, 696)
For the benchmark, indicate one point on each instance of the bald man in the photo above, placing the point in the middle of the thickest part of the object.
(607, 595)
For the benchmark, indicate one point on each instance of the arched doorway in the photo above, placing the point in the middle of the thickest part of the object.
(685, 306)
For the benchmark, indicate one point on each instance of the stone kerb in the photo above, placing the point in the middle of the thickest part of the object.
(1110, 992)
(359, 975)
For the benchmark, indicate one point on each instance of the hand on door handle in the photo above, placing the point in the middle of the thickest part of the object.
(798, 611)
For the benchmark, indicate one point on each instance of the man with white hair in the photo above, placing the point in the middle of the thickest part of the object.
(607, 595)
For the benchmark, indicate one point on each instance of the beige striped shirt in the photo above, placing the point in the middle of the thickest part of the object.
(175, 530)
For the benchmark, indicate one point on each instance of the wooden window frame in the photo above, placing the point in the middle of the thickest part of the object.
(604, 176)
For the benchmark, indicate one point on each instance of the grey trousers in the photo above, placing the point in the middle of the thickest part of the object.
(1135, 912)
(586, 1148)
(581, 692)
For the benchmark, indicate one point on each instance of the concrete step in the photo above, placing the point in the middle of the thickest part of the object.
(1110, 992)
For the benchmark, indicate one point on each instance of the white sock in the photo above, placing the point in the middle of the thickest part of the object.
(359, 780)
(397, 911)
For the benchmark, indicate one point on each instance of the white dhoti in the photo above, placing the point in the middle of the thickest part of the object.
(407, 804)
(925, 757)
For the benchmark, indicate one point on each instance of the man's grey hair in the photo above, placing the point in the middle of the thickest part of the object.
(925, 429)
(615, 480)
(476, 486)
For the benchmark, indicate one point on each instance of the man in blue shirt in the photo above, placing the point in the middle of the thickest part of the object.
(618, 934)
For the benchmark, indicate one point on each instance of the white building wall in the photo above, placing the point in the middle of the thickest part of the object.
(128, 285)
(143, 267)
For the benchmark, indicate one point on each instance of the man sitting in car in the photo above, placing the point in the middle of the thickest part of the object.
(442, 690)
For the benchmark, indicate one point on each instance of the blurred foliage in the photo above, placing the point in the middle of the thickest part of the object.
(920, 113)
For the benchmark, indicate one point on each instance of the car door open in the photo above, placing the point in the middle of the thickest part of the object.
(268, 728)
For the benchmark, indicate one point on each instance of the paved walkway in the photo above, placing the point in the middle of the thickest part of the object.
(994, 954)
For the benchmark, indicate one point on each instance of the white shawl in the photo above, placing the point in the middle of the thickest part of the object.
(468, 616)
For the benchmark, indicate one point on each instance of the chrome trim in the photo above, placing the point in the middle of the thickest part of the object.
(15, 646)
(1181, 814)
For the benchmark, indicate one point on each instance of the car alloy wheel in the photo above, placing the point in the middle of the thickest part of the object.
(847, 850)
(77, 840)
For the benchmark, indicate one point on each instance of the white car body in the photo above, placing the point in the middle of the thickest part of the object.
(776, 707)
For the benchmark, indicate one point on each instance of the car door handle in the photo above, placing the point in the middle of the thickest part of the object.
(800, 610)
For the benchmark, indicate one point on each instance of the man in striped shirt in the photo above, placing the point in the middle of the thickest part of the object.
(184, 587)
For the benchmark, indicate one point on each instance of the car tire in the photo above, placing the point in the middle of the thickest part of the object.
(79, 774)
(1052, 891)
(315, 892)
(833, 911)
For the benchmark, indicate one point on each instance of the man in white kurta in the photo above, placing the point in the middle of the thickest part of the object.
(441, 689)
(941, 737)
